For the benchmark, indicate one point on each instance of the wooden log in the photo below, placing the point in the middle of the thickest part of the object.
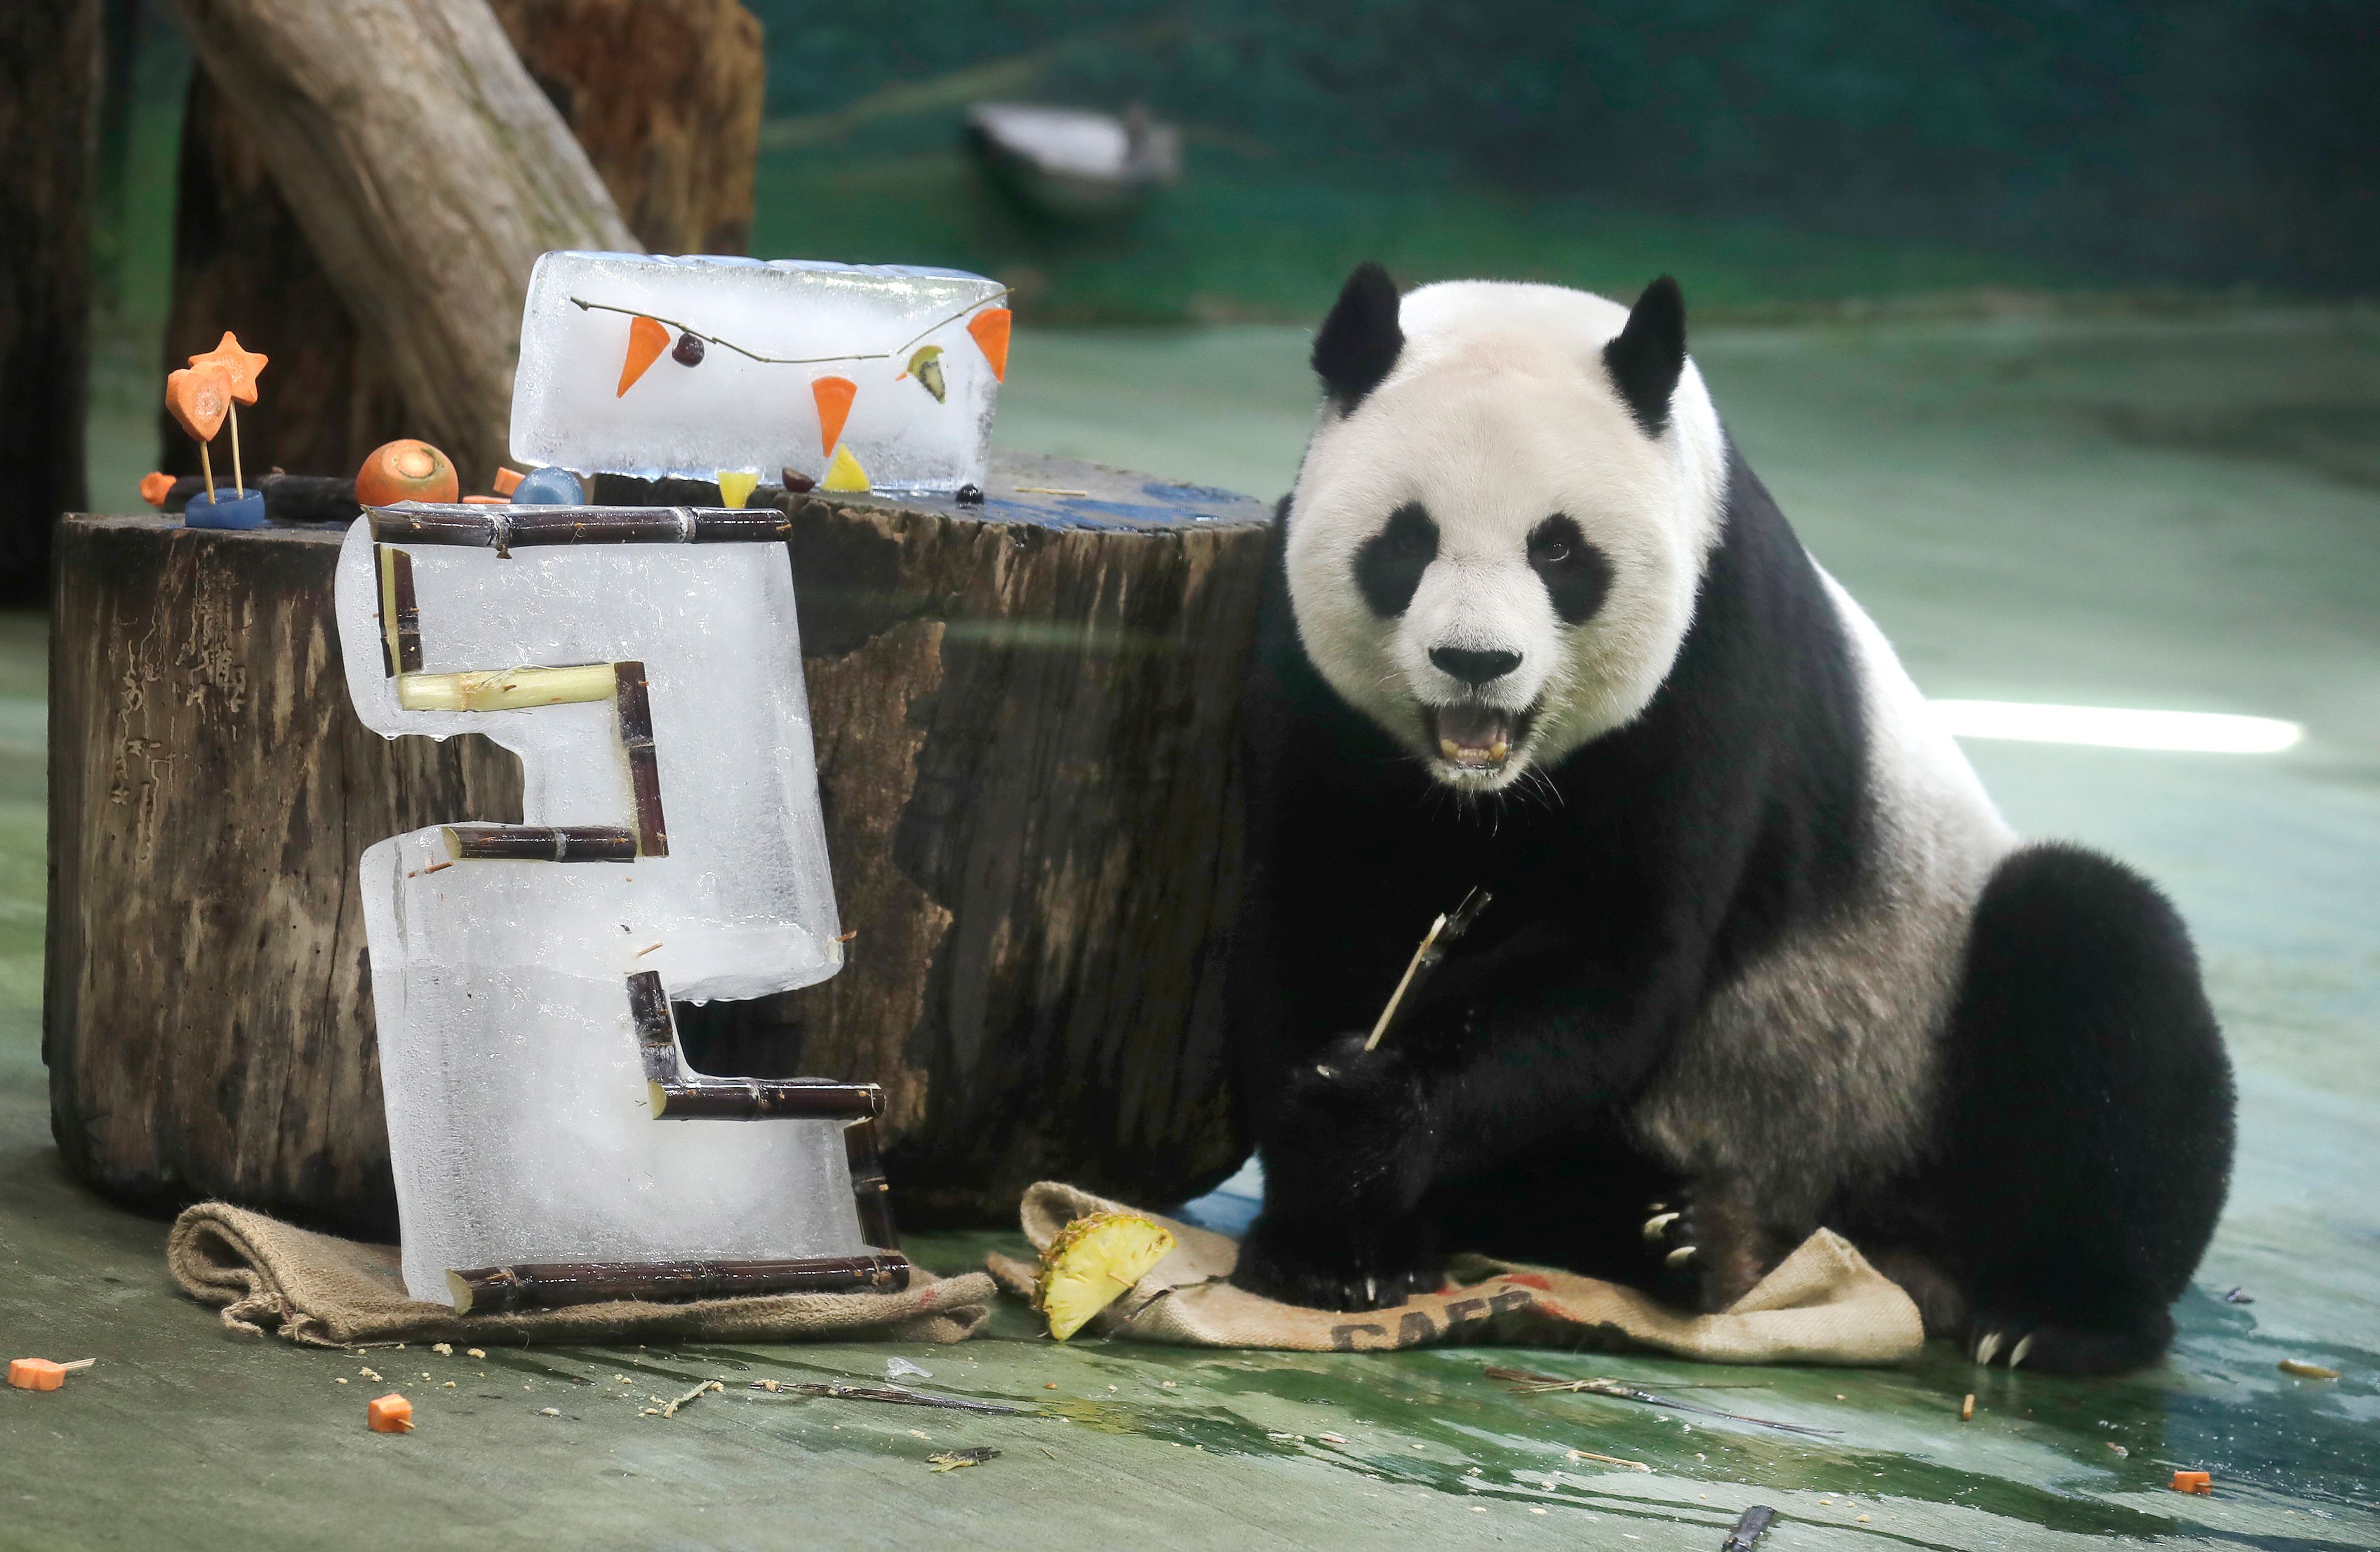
(663, 95)
(49, 118)
(427, 172)
(1024, 714)
(206, 1012)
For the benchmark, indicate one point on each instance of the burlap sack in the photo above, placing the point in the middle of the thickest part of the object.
(1824, 1304)
(322, 1292)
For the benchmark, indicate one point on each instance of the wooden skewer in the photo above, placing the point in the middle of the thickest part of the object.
(239, 486)
(1442, 931)
(206, 466)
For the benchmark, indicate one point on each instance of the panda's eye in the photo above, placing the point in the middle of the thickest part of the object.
(1548, 551)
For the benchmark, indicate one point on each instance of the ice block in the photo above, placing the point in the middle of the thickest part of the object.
(671, 827)
(652, 366)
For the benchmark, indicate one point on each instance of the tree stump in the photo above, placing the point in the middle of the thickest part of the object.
(1025, 715)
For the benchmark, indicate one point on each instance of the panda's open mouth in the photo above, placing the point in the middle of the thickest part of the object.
(1474, 738)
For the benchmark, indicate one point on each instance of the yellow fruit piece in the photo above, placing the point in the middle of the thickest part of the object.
(735, 486)
(844, 473)
(1091, 1264)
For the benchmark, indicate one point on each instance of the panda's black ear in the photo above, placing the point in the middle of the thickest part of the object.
(1646, 356)
(1358, 344)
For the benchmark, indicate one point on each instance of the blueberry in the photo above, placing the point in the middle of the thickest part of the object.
(689, 350)
(970, 495)
(796, 481)
(550, 487)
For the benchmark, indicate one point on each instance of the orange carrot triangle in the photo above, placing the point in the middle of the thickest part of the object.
(834, 395)
(647, 340)
(990, 328)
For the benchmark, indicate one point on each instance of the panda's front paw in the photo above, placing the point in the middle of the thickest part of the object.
(1333, 1265)
(1349, 1137)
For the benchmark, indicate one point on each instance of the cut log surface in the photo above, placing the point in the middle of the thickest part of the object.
(1025, 715)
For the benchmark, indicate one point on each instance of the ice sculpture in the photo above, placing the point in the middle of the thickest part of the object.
(858, 376)
(548, 1142)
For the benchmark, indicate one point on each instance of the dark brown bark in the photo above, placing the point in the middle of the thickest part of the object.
(207, 1015)
(666, 97)
(49, 117)
(663, 95)
(1025, 716)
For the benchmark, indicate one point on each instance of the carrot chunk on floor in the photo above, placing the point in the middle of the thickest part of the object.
(36, 1374)
(391, 1413)
(2194, 1482)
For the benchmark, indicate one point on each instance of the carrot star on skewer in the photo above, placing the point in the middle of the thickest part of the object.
(240, 366)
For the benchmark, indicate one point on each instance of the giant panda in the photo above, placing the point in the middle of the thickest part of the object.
(1761, 956)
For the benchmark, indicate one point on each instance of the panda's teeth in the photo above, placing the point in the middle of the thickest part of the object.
(1447, 747)
(1498, 750)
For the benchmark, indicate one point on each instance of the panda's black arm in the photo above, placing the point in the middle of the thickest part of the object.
(1514, 1046)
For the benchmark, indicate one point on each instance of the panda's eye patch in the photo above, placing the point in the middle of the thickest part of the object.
(1576, 572)
(1390, 564)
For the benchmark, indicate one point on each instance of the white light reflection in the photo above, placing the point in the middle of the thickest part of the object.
(2118, 728)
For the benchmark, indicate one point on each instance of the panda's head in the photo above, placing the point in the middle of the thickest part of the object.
(1497, 535)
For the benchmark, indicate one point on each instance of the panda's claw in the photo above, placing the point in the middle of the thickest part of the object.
(1987, 1347)
(2023, 1346)
(1679, 1256)
(1658, 1224)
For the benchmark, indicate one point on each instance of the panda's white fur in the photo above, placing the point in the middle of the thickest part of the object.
(1819, 1061)
(1497, 414)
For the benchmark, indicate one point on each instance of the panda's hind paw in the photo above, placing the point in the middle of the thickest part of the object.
(2033, 1344)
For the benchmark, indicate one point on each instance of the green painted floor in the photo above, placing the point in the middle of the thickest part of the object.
(2180, 513)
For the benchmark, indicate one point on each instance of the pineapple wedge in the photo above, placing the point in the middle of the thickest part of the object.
(1091, 1265)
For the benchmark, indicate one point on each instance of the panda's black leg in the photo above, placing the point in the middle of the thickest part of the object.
(2087, 1117)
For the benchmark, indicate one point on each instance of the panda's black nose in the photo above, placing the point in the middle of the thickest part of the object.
(1473, 668)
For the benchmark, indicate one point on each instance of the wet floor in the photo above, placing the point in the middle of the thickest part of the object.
(2176, 513)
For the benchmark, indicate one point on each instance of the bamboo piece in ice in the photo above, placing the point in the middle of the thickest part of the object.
(400, 616)
(496, 1290)
(678, 1093)
(505, 689)
(508, 527)
(644, 769)
(495, 842)
(870, 1191)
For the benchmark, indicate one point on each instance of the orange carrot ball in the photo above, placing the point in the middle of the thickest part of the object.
(391, 1413)
(2194, 1482)
(407, 470)
(36, 1374)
